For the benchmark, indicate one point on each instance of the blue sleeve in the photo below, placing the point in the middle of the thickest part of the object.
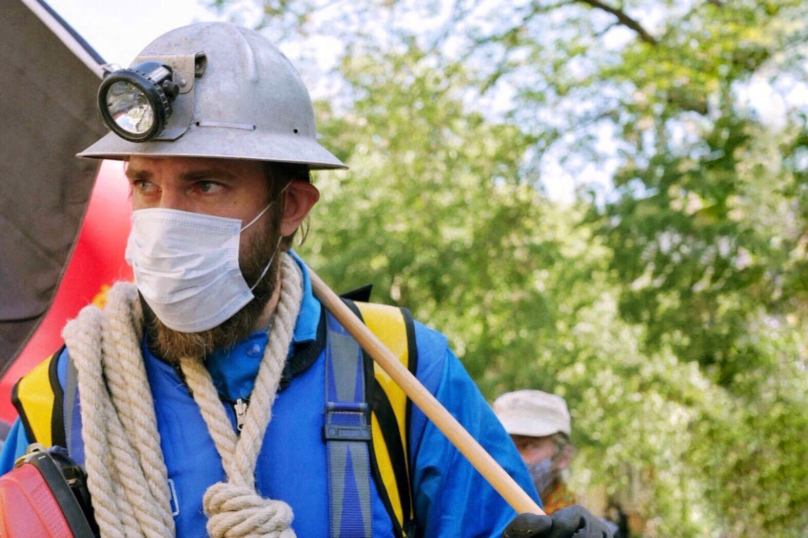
(14, 447)
(451, 497)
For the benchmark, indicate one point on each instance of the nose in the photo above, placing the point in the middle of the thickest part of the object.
(172, 197)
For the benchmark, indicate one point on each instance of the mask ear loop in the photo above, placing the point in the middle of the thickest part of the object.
(264, 272)
(277, 247)
(258, 216)
(261, 214)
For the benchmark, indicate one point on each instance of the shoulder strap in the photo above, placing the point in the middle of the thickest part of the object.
(389, 409)
(38, 398)
(347, 434)
(72, 414)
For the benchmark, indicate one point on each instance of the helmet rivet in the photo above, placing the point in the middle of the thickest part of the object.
(183, 83)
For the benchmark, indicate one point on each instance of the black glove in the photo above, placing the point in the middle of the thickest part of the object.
(571, 522)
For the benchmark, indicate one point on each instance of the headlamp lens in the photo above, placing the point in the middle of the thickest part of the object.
(130, 108)
(136, 102)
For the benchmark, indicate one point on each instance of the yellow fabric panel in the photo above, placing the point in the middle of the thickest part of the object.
(386, 469)
(387, 323)
(36, 396)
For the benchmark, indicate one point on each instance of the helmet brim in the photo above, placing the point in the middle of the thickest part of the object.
(221, 143)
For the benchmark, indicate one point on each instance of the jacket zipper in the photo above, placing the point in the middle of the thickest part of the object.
(240, 408)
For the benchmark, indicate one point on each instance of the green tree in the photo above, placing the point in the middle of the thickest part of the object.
(668, 308)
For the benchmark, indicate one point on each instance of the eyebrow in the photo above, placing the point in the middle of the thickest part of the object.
(137, 175)
(193, 175)
(208, 173)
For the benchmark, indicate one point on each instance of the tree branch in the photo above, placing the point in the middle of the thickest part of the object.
(623, 19)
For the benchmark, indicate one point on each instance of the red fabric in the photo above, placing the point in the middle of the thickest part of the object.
(97, 262)
(28, 508)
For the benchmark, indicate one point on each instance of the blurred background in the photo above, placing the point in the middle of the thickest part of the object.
(602, 199)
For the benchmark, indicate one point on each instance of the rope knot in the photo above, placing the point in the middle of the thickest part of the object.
(235, 511)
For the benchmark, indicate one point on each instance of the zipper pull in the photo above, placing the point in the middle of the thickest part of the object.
(241, 413)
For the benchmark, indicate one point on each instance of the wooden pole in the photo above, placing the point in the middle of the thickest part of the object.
(431, 407)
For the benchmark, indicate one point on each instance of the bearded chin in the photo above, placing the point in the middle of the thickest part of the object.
(172, 345)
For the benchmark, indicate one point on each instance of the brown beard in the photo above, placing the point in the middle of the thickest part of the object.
(172, 345)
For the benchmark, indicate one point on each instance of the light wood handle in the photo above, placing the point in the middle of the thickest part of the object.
(431, 407)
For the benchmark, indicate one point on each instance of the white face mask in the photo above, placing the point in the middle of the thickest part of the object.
(186, 266)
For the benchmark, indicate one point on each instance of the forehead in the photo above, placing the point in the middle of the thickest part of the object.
(176, 166)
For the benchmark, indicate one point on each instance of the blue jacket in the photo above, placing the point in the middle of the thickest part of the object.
(451, 499)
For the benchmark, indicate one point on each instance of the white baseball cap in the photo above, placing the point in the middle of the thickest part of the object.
(533, 413)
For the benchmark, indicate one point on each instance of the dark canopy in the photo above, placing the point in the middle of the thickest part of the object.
(47, 95)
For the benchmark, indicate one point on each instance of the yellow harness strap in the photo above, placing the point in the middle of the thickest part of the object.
(36, 396)
(388, 324)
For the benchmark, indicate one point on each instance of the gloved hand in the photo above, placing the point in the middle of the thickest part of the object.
(571, 522)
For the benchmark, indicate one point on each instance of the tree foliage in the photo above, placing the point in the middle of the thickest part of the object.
(668, 307)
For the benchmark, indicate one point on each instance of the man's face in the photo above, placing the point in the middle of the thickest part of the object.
(534, 449)
(221, 187)
(555, 459)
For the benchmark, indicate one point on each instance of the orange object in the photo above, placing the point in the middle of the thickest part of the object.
(559, 497)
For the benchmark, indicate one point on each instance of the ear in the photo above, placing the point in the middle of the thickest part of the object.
(300, 198)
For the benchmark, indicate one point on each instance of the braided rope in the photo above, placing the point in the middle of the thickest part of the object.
(127, 475)
(126, 502)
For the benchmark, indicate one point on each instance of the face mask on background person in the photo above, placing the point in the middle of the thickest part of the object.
(186, 266)
(542, 474)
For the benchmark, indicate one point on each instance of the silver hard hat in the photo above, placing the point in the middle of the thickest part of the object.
(236, 97)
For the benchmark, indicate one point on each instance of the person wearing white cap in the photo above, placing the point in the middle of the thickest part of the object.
(539, 424)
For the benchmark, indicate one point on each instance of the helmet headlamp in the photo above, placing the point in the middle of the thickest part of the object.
(136, 102)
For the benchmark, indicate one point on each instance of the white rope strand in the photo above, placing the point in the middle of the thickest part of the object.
(127, 382)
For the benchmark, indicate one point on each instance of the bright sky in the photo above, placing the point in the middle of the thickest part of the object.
(118, 29)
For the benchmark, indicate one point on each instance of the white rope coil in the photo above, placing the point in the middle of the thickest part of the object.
(127, 475)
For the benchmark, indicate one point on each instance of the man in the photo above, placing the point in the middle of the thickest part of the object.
(218, 397)
(540, 427)
(539, 424)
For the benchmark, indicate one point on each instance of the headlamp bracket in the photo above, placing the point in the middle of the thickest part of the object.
(185, 68)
